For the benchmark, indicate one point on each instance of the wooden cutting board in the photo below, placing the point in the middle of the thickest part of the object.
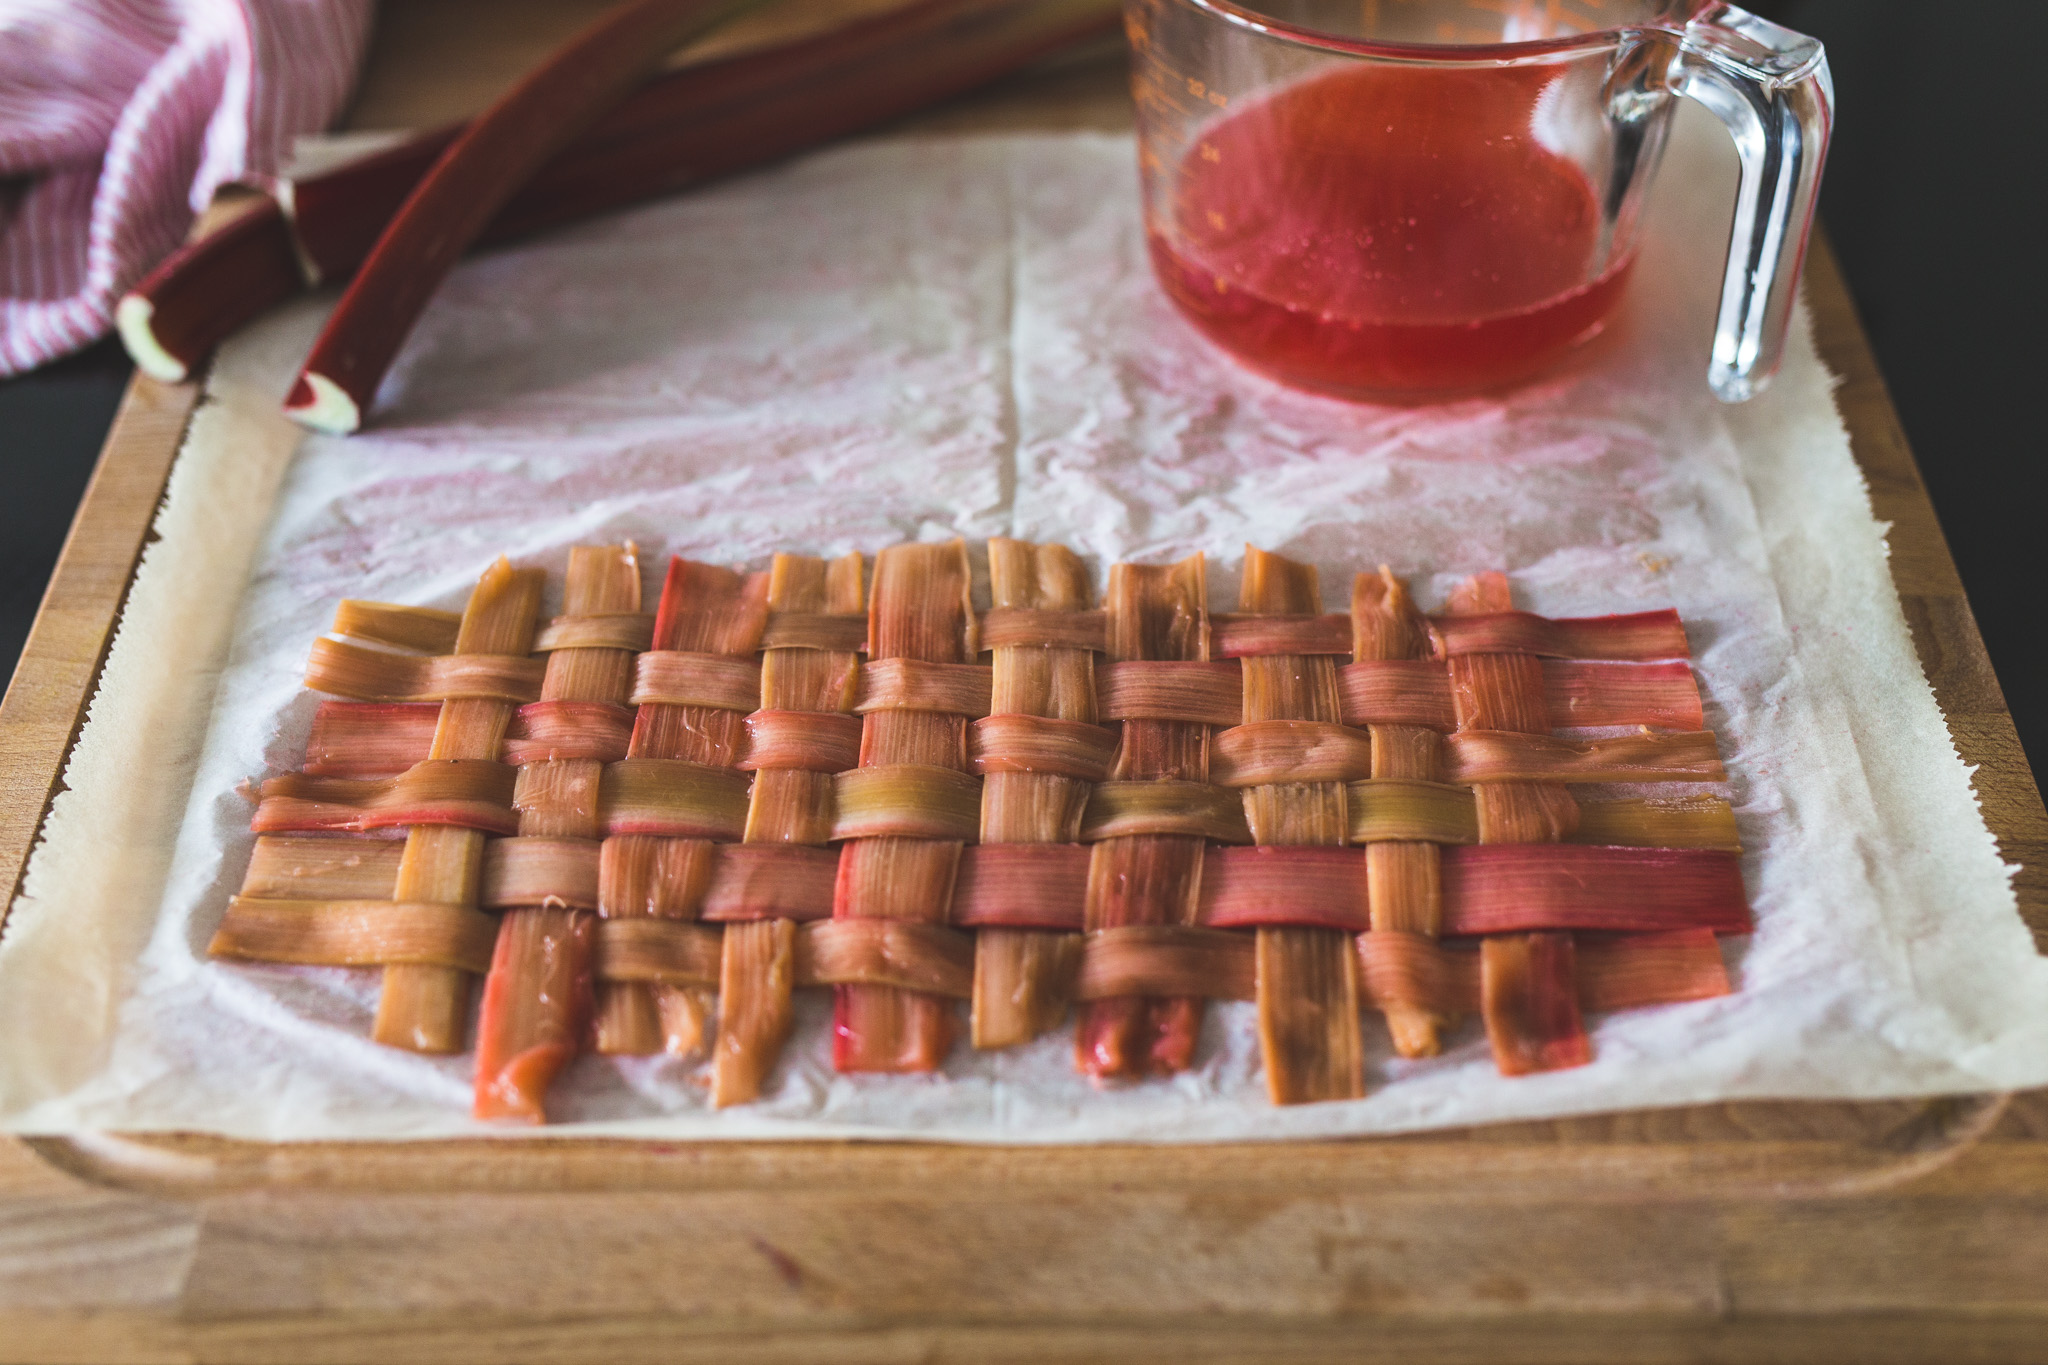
(1792, 1231)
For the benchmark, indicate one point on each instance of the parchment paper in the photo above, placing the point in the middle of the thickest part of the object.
(937, 337)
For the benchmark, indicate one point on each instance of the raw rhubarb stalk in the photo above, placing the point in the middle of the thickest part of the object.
(676, 791)
(467, 185)
(681, 129)
(1023, 978)
(1136, 877)
(1403, 876)
(426, 1008)
(919, 610)
(1307, 977)
(207, 289)
(536, 1005)
(791, 806)
(1531, 999)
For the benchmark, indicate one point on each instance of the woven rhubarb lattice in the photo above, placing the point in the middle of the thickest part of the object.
(1046, 810)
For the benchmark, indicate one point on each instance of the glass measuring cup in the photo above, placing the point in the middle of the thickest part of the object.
(1401, 198)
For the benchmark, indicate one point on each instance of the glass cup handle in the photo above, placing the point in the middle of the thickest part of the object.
(1771, 87)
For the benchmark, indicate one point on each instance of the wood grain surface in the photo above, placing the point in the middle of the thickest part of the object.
(1900, 1231)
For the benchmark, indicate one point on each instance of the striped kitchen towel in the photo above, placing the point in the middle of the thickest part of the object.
(119, 118)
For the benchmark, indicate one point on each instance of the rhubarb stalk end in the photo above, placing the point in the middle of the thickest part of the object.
(133, 318)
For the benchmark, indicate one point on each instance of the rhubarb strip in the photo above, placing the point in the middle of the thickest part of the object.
(1307, 977)
(1482, 756)
(1261, 753)
(631, 631)
(424, 936)
(323, 867)
(475, 793)
(807, 674)
(1492, 888)
(1480, 625)
(1405, 797)
(919, 611)
(428, 630)
(1128, 808)
(1688, 822)
(1022, 886)
(808, 741)
(676, 790)
(537, 870)
(426, 1008)
(1509, 888)
(1175, 962)
(771, 881)
(674, 797)
(349, 670)
(1530, 1001)
(1613, 973)
(683, 678)
(369, 739)
(918, 685)
(1577, 693)
(1016, 744)
(1163, 689)
(1406, 810)
(657, 952)
(1139, 877)
(1529, 996)
(884, 954)
(1039, 751)
(1249, 634)
(1631, 972)
(569, 729)
(906, 800)
(481, 170)
(537, 998)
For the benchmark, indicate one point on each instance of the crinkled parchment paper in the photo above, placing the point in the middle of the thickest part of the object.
(928, 338)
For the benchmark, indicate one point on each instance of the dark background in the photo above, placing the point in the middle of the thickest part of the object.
(1934, 198)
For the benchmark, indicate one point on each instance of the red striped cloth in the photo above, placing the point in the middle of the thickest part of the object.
(119, 118)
